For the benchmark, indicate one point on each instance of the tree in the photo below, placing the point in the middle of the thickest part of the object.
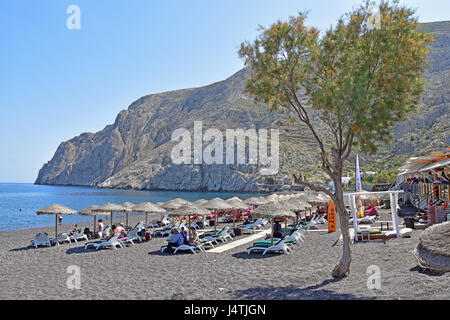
(358, 82)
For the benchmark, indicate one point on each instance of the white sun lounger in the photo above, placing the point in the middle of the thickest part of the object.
(41, 239)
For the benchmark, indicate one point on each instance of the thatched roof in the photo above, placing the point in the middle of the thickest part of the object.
(147, 207)
(56, 209)
(256, 201)
(217, 204)
(237, 204)
(89, 211)
(189, 210)
(200, 202)
(299, 204)
(272, 210)
(174, 204)
(111, 207)
(433, 250)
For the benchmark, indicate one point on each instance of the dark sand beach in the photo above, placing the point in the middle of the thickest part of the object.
(142, 272)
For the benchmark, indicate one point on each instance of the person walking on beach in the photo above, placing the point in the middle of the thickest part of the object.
(60, 219)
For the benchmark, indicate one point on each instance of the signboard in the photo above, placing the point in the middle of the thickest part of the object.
(331, 217)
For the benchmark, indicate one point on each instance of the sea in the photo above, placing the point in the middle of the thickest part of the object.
(20, 201)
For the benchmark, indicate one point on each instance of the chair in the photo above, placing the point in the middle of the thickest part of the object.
(113, 242)
(41, 239)
(78, 236)
(63, 237)
(268, 247)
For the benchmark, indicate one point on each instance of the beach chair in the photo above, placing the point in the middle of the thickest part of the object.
(185, 247)
(63, 237)
(41, 239)
(223, 235)
(78, 236)
(113, 242)
(132, 235)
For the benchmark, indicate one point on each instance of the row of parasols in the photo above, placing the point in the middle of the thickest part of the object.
(271, 207)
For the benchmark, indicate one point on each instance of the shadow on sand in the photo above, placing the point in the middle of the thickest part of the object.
(421, 270)
(256, 255)
(295, 293)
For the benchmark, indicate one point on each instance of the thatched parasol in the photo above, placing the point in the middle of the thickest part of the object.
(173, 204)
(89, 212)
(216, 204)
(56, 209)
(128, 205)
(189, 210)
(147, 207)
(272, 211)
(111, 207)
(236, 205)
(433, 250)
(256, 201)
(200, 202)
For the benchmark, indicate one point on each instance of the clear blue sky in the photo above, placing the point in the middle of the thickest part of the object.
(56, 83)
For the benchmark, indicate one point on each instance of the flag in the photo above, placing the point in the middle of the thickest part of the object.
(359, 204)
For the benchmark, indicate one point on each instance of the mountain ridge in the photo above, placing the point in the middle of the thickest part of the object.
(133, 152)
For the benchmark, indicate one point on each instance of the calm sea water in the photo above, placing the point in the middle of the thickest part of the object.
(19, 202)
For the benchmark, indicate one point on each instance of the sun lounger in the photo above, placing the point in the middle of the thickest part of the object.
(113, 242)
(267, 247)
(185, 247)
(63, 237)
(41, 239)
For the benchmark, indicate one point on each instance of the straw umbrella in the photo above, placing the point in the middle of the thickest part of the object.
(272, 211)
(199, 202)
(256, 201)
(173, 204)
(189, 210)
(89, 212)
(298, 204)
(216, 204)
(128, 205)
(147, 207)
(236, 204)
(56, 209)
(111, 207)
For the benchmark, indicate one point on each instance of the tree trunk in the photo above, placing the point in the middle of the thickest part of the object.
(343, 266)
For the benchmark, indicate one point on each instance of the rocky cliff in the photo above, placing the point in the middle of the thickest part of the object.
(134, 151)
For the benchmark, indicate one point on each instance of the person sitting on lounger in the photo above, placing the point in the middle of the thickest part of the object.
(174, 241)
(121, 229)
(75, 229)
(184, 234)
(194, 236)
(277, 230)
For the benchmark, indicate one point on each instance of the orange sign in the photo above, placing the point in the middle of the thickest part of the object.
(331, 217)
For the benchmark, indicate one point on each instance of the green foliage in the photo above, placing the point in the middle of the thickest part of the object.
(359, 82)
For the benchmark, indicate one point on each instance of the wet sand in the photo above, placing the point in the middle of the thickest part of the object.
(142, 272)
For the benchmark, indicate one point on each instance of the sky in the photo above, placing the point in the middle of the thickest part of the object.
(56, 82)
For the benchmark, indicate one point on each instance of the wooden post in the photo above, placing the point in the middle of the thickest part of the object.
(285, 225)
(215, 221)
(271, 239)
(111, 219)
(126, 222)
(56, 229)
(146, 223)
(95, 220)
(234, 219)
